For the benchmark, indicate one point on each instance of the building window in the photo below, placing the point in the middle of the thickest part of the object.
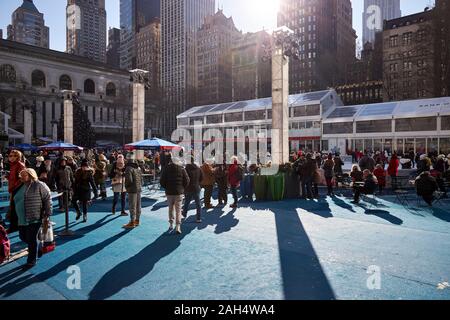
(374, 126)
(416, 124)
(338, 128)
(65, 82)
(445, 123)
(89, 86)
(38, 79)
(110, 90)
(7, 73)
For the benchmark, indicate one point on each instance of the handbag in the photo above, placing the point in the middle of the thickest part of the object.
(47, 239)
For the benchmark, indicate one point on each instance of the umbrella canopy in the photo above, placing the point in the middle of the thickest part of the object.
(152, 144)
(24, 147)
(61, 146)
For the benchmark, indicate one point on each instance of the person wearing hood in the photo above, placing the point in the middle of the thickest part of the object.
(16, 166)
(235, 176)
(118, 184)
(192, 191)
(84, 184)
(133, 185)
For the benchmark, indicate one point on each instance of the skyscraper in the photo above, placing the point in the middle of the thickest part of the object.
(375, 12)
(28, 26)
(134, 14)
(215, 41)
(327, 42)
(112, 53)
(86, 29)
(180, 21)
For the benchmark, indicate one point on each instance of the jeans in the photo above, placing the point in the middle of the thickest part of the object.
(174, 203)
(359, 190)
(208, 194)
(330, 185)
(223, 197)
(77, 207)
(134, 203)
(122, 196)
(187, 200)
(234, 192)
(102, 188)
(307, 187)
(28, 234)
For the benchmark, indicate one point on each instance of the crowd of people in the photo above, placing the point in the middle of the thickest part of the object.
(84, 177)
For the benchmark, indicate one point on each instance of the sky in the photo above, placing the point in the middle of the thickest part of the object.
(248, 15)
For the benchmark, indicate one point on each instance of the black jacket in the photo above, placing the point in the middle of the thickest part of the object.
(195, 177)
(174, 179)
(426, 185)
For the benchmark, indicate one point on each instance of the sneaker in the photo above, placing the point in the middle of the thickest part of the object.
(78, 215)
(178, 229)
(198, 221)
(170, 227)
(234, 205)
(84, 218)
(113, 211)
(137, 223)
(129, 225)
(124, 214)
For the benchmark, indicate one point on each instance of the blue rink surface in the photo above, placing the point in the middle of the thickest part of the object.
(294, 249)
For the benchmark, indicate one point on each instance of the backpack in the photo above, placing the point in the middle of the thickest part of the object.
(5, 245)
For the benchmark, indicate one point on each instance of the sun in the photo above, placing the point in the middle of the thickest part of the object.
(265, 8)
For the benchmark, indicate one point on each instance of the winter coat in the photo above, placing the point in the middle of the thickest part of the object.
(117, 178)
(84, 184)
(233, 175)
(426, 185)
(380, 174)
(440, 166)
(195, 178)
(370, 185)
(423, 166)
(220, 175)
(208, 175)
(338, 164)
(174, 179)
(309, 169)
(100, 172)
(38, 201)
(357, 176)
(13, 179)
(133, 178)
(367, 163)
(64, 178)
(328, 168)
(394, 163)
(48, 176)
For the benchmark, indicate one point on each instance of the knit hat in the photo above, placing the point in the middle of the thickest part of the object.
(84, 163)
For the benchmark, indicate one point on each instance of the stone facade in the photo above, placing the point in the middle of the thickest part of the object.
(251, 75)
(214, 64)
(32, 77)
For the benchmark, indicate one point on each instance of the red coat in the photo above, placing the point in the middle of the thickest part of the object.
(13, 178)
(393, 166)
(381, 176)
(233, 176)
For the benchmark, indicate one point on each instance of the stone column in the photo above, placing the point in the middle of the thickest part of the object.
(27, 125)
(68, 115)
(280, 105)
(54, 130)
(139, 78)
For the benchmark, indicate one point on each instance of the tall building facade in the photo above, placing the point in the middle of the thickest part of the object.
(442, 32)
(28, 26)
(214, 63)
(134, 14)
(86, 29)
(327, 42)
(252, 76)
(180, 21)
(113, 53)
(409, 58)
(375, 12)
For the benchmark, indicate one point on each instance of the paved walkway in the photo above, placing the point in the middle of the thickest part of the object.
(287, 250)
